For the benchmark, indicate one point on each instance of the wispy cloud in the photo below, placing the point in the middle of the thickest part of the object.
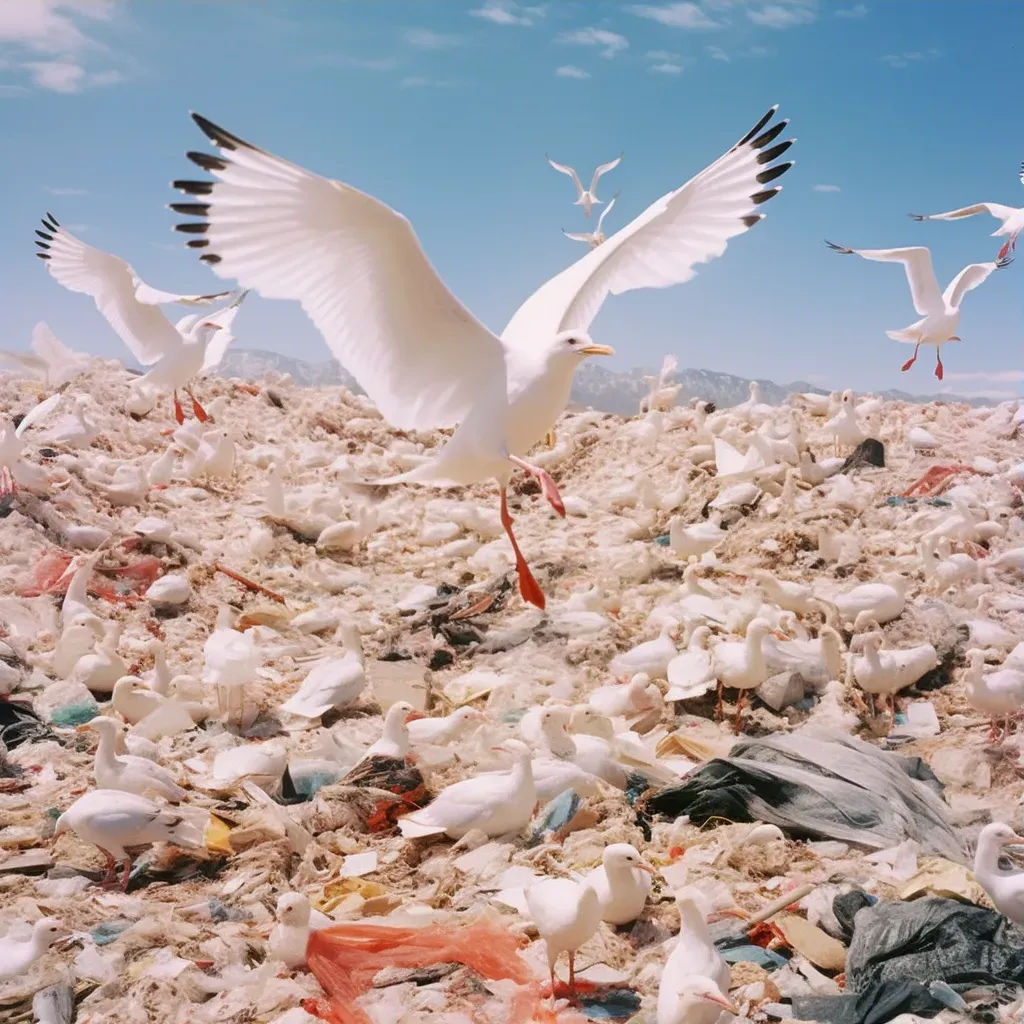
(677, 15)
(717, 53)
(373, 63)
(506, 12)
(53, 33)
(856, 11)
(571, 71)
(666, 68)
(759, 51)
(783, 15)
(661, 55)
(54, 191)
(908, 57)
(611, 43)
(1004, 376)
(426, 39)
(826, 188)
(995, 394)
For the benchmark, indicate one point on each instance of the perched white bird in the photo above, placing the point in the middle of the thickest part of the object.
(998, 694)
(128, 304)
(496, 803)
(651, 657)
(230, 661)
(439, 731)
(587, 198)
(885, 673)
(1012, 218)
(940, 311)
(692, 999)
(51, 360)
(844, 426)
(394, 741)
(740, 665)
(14, 471)
(295, 921)
(126, 773)
(112, 821)
(597, 236)
(692, 673)
(622, 883)
(567, 914)
(877, 602)
(333, 683)
(694, 541)
(18, 955)
(638, 695)
(291, 234)
(1005, 888)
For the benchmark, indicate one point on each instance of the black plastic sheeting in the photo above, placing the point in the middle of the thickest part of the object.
(898, 949)
(819, 784)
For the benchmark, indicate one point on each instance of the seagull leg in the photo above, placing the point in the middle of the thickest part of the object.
(738, 721)
(913, 359)
(179, 413)
(528, 586)
(549, 439)
(1011, 243)
(127, 872)
(720, 706)
(111, 867)
(547, 486)
(197, 410)
(938, 363)
(554, 982)
(8, 485)
(573, 998)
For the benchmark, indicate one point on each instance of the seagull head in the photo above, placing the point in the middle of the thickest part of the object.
(699, 989)
(577, 345)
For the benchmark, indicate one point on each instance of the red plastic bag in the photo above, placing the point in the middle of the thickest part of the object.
(131, 580)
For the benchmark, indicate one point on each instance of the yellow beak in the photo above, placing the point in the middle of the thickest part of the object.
(597, 350)
(723, 1001)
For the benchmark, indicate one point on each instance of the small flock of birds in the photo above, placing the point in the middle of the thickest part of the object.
(359, 272)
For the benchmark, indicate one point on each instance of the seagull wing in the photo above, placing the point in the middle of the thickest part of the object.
(578, 237)
(604, 169)
(150, 296)
(566, 169)
(217, 346)
(606, 210)
(660, 248)
(27, 361)
(997, 210)
(111, 284)
(40, 411)
(917, 260)
(669, 365)
(968, 279)
(358, 270)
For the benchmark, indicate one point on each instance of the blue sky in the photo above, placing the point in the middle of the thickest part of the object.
(446, 109)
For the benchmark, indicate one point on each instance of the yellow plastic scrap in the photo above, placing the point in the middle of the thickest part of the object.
(217, 836)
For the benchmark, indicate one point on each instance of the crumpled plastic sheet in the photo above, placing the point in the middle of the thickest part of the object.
(900, 949)
(345, 959)
(820, 784)
(132, 580)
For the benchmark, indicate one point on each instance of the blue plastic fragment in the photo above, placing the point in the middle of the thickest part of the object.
(945, 995)
(559, 812)
(107, 931)
(662, 541)
(222, 912)
(307, 785)
(766, 958)
(515, 716)
(75, 714)
(610, 1004)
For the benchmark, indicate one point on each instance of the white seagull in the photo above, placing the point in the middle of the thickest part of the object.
(51, 361)
(586, 197)
(128, 304)
(358, 270)
(940, 311)
(1012, 218)
(597, 236)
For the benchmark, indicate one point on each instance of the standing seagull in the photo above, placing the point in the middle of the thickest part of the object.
(360, 273)
(587, 198)
(596, 237)
(1012, 218)
(940, 311)
(129, 305)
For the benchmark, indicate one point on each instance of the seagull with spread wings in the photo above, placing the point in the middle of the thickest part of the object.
(1012, 218)
(586, 197)
(358, 270)
(940, 311)
(127, 303)
(597, 236)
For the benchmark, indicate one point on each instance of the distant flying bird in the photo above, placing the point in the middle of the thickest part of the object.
(51, 361)
(587, 198)
(940, 311)
(596, 237)
(1012, 218)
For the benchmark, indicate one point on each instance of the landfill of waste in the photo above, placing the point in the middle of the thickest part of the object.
(279, 670)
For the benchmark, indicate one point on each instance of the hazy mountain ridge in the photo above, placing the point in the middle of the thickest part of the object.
(594, 385)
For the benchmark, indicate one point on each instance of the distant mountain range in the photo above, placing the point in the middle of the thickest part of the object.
(607, 390)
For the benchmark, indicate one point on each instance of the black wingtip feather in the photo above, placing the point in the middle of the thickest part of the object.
(751, 219)
(772, 173)
(53, 220)
(192, 227)
(769, 136)
(210, 258)
(191, 209)
(839, 248)
(757, 127)
(218, 135)
(198, 243)
(45, 235)
(42, 245)
(193, 188)
(916, 216)
(768, 155)
(43, 255)
(762, 197)
(207, 161)
(1004, 262)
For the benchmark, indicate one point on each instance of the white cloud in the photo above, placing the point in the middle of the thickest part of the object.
(759, 51)
(667, 68)
(1006, 376)
(661, 55)
(717, 53)
(68, 77)
(65, 191)
(994, 394)
(856, 11)
(677, 15)
(826, 188)
(571, 71)
(783, 15)
(902, 60)
(425, 39)
(502, 12)
(611, 42)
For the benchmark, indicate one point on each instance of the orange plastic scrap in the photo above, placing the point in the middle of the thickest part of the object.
(932, 482)
(346, 957)
(48, 578)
